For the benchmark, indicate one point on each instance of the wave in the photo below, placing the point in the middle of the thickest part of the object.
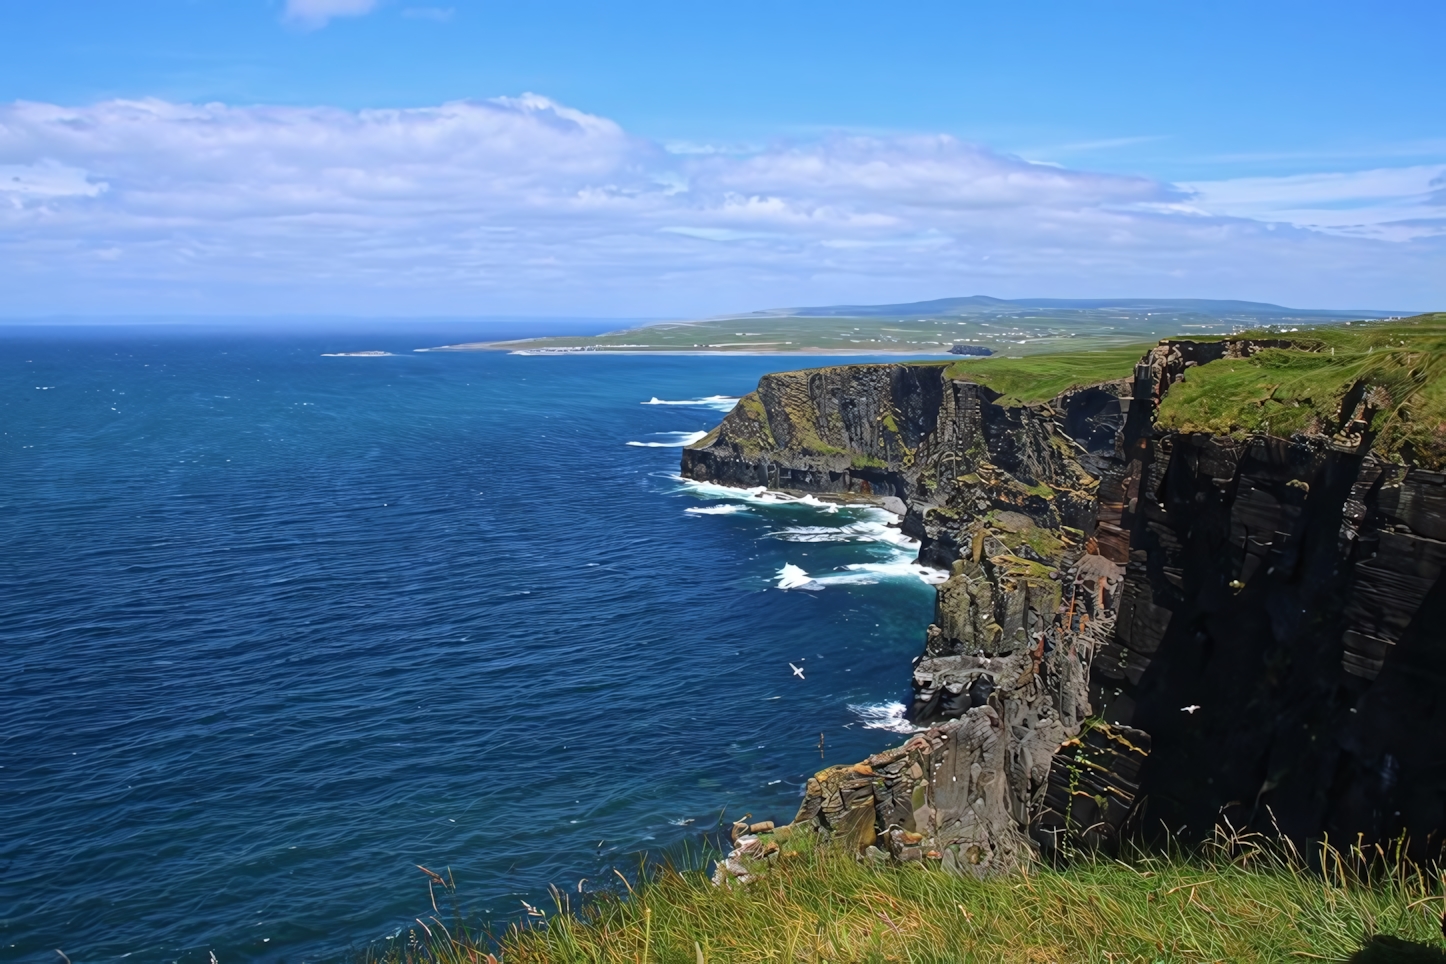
(721, 403)
(868, 573)
(884, 716)
(792, 577)
(715, 509)
(680, 439)
(867, 531)
(358, 354)
(878, 526)
(859, 574)
(761, 495)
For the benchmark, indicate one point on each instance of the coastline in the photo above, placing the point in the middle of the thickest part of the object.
(800, 352)
(1079, 671)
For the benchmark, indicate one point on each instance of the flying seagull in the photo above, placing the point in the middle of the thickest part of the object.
(1189, 709)
(797, 670)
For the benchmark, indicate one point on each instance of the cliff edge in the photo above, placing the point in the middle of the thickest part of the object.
(1206, 585)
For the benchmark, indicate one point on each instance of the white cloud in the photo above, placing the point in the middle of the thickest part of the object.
(525, 205)
(1394, 204)
(316, 13)
(45, 179)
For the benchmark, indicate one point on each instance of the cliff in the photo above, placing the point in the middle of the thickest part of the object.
(1205, 587)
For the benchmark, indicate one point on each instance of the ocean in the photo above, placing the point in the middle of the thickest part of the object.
(280, 626)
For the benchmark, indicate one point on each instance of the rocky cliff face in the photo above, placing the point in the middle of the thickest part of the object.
(1292, 590)
(1141, 629)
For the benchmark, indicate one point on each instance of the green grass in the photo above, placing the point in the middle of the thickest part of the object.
(1241, 903)
(1006, 329)
(1398, 366)
(1039, 378)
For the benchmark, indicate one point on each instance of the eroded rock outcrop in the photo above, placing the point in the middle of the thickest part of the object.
(1140, 629)
(1002, 497)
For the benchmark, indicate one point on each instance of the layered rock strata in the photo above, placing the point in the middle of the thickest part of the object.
(1140, 629)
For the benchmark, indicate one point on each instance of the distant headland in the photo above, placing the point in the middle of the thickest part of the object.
(981, 323)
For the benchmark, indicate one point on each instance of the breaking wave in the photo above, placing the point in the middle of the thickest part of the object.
(720, 403)
(884, 716)
(678, 440)
(867, 531)
(759, 495)
(792, 577)
(878, 526)
(859, 574)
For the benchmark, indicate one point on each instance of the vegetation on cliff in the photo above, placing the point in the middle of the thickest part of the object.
(1390, 375)
(1039, 378)
(1232, 902)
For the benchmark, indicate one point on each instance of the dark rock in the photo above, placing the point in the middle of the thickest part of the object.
(1384, 949)
(1256, 620)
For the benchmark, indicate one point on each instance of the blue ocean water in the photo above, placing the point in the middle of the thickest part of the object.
(277, 627)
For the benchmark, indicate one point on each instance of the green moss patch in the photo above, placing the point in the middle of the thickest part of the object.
(1396, 368)
(1039, 378)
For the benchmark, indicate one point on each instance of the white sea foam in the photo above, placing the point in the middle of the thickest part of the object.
(721, 403)
(877, 526)
(866, 531)
(676, 440)
(758, 495)
(884, 716)
(716, 509)
(357, 354)
(868, 573)
(792, 577)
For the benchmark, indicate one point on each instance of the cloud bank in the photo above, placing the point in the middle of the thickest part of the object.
(525, 205)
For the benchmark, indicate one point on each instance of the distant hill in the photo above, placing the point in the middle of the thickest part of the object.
(1027, 326)
(976, 305)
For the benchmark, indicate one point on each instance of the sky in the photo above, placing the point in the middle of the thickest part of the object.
(687, 159)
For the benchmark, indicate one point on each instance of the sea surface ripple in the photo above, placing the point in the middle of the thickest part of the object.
(278, 627)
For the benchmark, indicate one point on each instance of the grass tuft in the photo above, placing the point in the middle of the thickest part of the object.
(1240, 900)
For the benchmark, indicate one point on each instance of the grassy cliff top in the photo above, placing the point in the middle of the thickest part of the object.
(1038, 378)
(1396, 368)
(1393, 372)
(827, 907)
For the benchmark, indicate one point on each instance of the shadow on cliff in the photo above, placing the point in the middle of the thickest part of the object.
(1283, 734)
(1383, 949)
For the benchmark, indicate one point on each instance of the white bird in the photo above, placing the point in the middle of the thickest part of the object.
(797, 670)
(1189, 709)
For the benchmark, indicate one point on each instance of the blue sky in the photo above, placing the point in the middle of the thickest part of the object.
(346, 156)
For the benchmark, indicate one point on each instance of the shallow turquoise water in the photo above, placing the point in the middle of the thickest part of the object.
(277, 627)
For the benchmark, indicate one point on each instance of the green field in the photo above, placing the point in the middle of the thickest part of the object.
(1006, 328)
(1038, 378)
(858, 336)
